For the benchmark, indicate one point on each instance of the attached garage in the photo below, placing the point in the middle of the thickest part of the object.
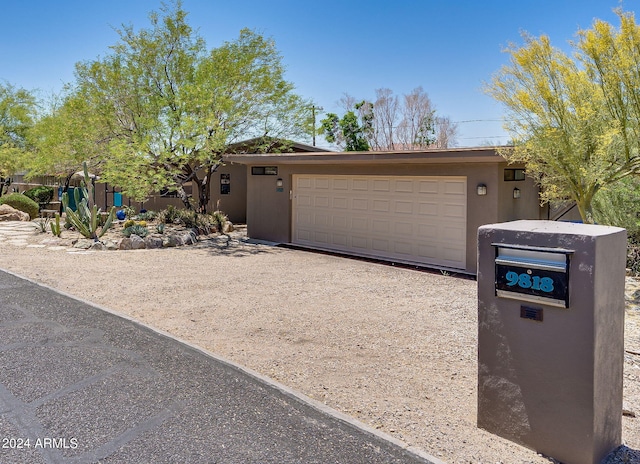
(418, 220)
(421, 208)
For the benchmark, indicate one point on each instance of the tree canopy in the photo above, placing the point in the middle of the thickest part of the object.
(389, 123)
(574, 119)
(17, 113)
(167, 108)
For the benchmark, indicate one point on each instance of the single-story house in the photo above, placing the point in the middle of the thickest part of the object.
(415, 207)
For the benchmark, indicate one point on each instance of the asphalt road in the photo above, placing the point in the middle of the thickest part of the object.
(79, 384)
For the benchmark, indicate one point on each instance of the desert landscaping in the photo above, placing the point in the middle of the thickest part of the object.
(393, 347)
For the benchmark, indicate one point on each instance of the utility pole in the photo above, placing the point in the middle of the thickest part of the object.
(313, 115)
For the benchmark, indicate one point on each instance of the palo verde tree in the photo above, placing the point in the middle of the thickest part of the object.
(17, 113)
(65, 138)
(173, 107)
(575, 119)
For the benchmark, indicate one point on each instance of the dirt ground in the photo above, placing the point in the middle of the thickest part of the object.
(393, 347)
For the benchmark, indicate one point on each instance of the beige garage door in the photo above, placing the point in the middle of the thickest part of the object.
(409, 219)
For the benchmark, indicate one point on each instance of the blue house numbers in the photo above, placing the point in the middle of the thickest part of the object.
(532, 274)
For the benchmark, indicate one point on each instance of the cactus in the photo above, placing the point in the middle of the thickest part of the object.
(85, 218)
(55, 226)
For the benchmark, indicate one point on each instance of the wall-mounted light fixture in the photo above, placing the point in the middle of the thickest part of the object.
(482, 189)
(279, 183)
(516, 193)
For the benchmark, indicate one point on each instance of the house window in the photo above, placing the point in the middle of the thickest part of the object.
(513, 174)
(225, 184)
(264, 170)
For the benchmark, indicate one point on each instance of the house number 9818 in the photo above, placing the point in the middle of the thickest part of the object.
(525, 280)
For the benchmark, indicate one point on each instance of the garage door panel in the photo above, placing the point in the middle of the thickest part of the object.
(360, 184)
(381, 206)
(340, 240)
(454, 211)
(359, 224)
(428, 209)
(383, 185)
(403, 248)
(360, 242)
(380, 226)
(340, 184)
(404, 186)
(403, 207)
(341, 203)
(428, 186)
(401, 229)
(340, 222)
(380, 245)
(409, 218)
(455, 188)
(361, 204)
(322, 183)
(321, 201)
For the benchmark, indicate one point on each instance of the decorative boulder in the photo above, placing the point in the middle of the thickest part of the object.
(125, 244)
(8, 213)
(137, 242)
(153, 242)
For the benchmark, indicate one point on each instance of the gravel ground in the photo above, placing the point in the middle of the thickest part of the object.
(393, 347)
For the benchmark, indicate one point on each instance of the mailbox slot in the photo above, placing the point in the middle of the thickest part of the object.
(534, 274)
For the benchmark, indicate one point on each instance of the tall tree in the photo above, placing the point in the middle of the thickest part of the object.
(390, 123)
(575, 120)
(17, 113)
(69, 135)
(352, 131)
(173, 107)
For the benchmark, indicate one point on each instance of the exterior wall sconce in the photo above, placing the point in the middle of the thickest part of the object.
(482, 189)
(279, 183)
(516, 193)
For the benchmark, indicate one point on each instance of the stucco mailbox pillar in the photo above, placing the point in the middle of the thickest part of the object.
(551, 336)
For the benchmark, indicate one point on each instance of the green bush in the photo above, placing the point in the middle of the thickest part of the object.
(41, 194)
(22, 203)
(138, 230)
(147, 216)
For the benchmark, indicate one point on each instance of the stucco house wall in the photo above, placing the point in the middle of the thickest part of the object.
(269, 208)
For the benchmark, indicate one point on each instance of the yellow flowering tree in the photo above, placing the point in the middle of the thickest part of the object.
(575, 119)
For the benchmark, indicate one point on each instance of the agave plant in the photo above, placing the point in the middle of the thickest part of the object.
(86, 217)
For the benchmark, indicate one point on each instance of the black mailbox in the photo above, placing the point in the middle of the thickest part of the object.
(534, 274)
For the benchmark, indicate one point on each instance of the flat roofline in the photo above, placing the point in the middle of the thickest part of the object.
(451, 155)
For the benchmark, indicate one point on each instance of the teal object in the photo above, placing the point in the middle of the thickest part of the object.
(72, 197)
(117, 199)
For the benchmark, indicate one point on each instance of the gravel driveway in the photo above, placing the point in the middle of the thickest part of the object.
(393, 347)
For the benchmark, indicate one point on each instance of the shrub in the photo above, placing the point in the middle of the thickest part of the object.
(136, 230)
(171, 215)
(219, 219)
(41, 194)
(22, 203)
(147, 215)
(129, 223)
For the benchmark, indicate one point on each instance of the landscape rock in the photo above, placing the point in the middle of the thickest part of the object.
(189, 238)
(153, 242)
(9, 213)
(173, 241)
(83, 243)
(98, 246)
(111, 245)
(125, 244)
(137, 242)
(228, 227)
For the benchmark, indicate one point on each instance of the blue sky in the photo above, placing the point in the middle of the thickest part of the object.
(330, 47)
